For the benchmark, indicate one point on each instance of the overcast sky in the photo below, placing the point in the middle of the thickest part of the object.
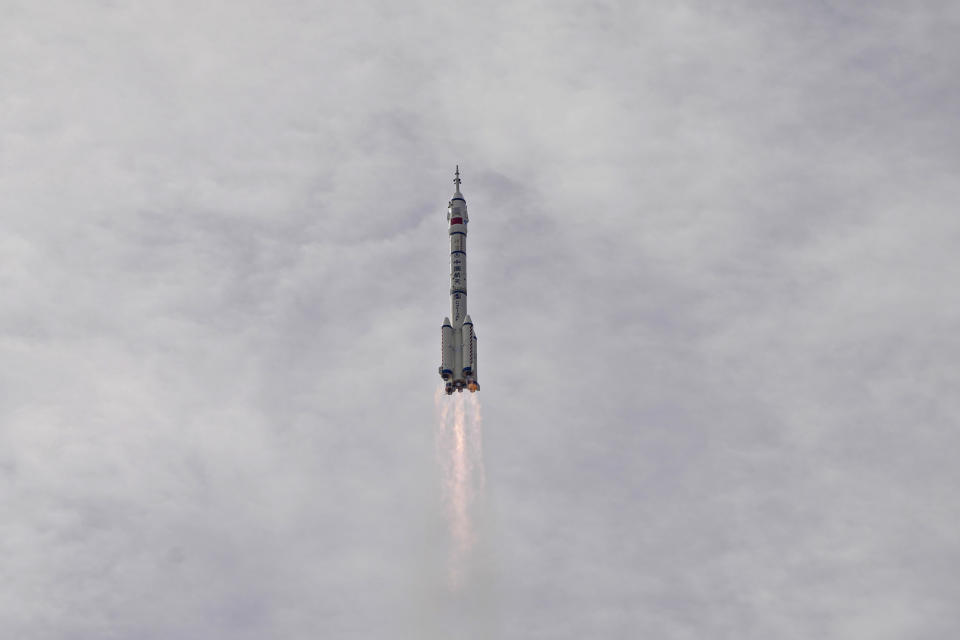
(713, 271)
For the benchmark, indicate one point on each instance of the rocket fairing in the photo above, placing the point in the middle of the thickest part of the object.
(458, 342)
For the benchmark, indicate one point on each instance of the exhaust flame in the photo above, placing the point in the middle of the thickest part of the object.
(459, 439)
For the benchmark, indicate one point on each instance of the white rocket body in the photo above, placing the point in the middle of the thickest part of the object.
(458, 366)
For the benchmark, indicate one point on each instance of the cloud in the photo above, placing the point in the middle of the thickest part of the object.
(710, 256)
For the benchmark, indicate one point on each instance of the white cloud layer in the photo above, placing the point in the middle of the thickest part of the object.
(713, 262)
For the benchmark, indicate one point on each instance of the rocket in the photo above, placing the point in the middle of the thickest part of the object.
(458, 343)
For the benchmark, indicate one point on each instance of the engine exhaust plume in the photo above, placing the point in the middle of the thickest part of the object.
(459, 438)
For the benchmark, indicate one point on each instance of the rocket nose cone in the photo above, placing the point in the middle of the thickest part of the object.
(446, 322)
(456, 181)
(467, 320)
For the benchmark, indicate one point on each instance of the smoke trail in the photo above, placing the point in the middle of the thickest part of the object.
(476, 439)
(459, 438)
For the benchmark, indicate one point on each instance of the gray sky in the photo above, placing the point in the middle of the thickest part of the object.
(713, 271)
